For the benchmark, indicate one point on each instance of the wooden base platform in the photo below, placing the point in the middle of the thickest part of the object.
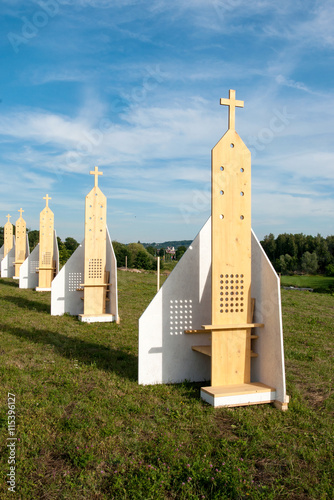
(96, 318)
(238, 395)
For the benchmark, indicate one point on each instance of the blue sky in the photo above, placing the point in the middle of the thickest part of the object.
(134, 87)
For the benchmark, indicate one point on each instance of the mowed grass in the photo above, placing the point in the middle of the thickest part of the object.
(86, 429)
(318, 283)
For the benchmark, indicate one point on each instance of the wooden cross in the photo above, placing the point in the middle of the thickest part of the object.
(8, 217)
(20, 212)
(232, 103)
(47, 198)
(96, 173)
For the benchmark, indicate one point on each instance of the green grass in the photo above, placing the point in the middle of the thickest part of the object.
(87, 430)
(321, 284)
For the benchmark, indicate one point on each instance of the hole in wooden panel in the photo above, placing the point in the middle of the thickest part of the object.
(231, 145)
(242, 217)
(221, 168)
(242, 170)
(242, 193)
(221, 216)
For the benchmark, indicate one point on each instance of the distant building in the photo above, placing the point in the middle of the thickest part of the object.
(171, 251)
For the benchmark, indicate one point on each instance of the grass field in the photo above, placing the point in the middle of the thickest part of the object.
(318, 283)
(86, 430)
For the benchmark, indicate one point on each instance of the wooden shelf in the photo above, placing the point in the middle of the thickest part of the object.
(203, 349)
(93, 284)
(233, 327)
(196, 331)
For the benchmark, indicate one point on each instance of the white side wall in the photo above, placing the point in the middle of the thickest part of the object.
(55, 251)
(268, 367)
(111, 266)
(27, 246)
(28, 274)
(183, 302)
(7, 263)
(64, 295)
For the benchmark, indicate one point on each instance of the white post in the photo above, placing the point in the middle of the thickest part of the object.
(158, 274)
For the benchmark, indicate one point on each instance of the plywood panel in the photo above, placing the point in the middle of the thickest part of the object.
(95, 250)
(231, 254)
(20, 243)
(46, 251)
(8, 236)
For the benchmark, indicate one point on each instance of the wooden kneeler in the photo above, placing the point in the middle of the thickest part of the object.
(232, 309)
(96, 284)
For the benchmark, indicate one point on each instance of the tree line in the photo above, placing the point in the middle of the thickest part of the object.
(134, 255)
(289, 253)
(298, 253)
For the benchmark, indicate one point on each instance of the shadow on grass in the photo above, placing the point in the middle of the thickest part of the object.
(9, 283)
(28, 304)
(103, 358)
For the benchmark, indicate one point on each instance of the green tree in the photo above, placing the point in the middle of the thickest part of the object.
(180, 251)
(329, 271)
(122, 251)
(143, 260)
(71, 244)
(269, 246)
(286, 263)
(1, 236)
(309, 263)
(33, 237)
(64, 254)
(151, 250)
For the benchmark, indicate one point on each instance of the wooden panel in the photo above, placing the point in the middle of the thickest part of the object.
(46, 251)
(8, 236)
(95, 250)
(230, 357)
(231, 231)
(231, 256)
(20, 243)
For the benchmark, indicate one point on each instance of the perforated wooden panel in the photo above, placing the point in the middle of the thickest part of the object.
(8, 237)
(95, 251)
(20, 244)
(231, 230)
(46, 251)
(231, 255)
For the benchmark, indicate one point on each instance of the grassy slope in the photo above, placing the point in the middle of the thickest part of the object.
(87, 430)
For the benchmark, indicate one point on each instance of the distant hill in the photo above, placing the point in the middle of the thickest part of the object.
(166, 244)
